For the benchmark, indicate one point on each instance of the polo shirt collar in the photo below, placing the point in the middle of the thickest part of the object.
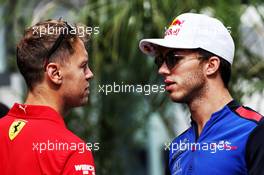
(232, 104)
(25, 111)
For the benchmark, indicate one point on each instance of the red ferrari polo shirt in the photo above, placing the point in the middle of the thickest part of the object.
(34, 140)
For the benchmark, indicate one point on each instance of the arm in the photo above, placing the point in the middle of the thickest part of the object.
(255, 151)
(79, 164)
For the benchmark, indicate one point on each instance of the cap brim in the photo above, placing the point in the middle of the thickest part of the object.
(149, 46)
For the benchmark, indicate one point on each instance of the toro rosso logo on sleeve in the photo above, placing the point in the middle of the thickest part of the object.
(175, 27)
(85, 168)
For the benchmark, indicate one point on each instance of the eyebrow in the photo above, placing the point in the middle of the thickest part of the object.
(85, 61)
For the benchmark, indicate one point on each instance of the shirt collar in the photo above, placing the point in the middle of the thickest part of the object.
(25, 111)
(233, 104)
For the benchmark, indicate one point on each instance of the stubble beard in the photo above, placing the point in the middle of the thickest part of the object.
(195, 88)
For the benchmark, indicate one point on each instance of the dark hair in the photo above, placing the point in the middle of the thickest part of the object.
(224, 68)
(36, 48)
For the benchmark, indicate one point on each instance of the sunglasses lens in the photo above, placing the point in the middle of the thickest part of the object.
(159, 61)
(172, 59)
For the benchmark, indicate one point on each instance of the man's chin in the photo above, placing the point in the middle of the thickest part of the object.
(175, 98)
(84, 101)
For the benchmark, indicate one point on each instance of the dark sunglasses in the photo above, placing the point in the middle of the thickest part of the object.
(58, 42)
(170, 58)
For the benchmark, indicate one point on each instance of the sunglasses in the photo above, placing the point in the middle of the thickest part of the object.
(170, 58)
(58, 42)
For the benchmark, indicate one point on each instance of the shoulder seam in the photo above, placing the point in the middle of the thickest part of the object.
(243, 112)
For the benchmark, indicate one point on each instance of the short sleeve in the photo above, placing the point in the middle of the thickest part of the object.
(255, 151)
(80, 163)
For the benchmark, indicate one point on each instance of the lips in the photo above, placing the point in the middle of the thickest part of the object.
(87, 87)
(169, 83)
(87, 90)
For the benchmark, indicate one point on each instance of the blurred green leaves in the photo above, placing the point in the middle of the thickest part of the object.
(116, 120)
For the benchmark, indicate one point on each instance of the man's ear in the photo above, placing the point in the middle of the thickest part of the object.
(54, 73)
(212, 65)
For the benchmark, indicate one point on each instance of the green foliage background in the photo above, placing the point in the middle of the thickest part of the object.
(118, 121)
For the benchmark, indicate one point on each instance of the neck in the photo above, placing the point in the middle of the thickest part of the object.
(43, 96)
(203, 107)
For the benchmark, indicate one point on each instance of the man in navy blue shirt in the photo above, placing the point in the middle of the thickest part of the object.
(195, 59)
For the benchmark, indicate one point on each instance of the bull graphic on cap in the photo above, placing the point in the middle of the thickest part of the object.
(175, 27)
(176, 22)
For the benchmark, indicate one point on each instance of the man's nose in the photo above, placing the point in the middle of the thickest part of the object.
(89, 74)
(164, 70)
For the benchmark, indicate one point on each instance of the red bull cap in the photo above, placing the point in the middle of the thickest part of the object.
(193, 31)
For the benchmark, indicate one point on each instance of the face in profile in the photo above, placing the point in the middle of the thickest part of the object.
(183, 78)
(76, 76)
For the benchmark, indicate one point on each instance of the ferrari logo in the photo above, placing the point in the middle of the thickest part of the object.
(16, 127)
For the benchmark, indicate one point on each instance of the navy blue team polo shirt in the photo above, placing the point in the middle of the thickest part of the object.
(231, 143)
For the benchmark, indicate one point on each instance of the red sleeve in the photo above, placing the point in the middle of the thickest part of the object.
(80, 164)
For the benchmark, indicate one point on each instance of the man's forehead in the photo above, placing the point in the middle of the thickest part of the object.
(80, 48)
(85, 53)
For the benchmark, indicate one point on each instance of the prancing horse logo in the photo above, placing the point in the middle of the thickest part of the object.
(16, 127)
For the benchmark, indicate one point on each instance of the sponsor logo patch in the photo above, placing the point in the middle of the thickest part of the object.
(16, 127)
(174, 27)
(85, 168)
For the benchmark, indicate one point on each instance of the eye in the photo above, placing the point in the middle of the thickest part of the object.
(173, 59)
(85, 67)
(158, 61)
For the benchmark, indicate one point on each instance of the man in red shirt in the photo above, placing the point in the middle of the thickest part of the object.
(33, 137)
